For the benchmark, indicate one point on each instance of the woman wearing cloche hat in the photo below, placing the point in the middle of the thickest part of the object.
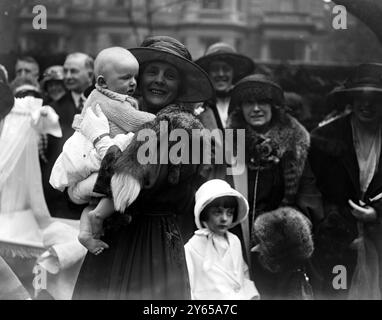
(225, 67)
(277, 172)
(346, 159)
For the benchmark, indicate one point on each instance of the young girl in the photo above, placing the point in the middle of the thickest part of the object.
(214, 256)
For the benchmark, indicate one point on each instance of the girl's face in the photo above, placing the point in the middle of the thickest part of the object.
(220, 214)
(257, 114)
(160, 83)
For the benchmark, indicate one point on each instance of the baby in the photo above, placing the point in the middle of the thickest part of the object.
(214, 255)
(77, 166)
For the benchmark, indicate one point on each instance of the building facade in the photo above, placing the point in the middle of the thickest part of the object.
(266, 30)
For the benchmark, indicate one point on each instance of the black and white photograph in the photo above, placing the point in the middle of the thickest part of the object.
(196, 153)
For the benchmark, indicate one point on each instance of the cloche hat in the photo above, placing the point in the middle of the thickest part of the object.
(214, 189)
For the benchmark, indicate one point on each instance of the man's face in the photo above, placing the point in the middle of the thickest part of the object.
(221, 74)
(76, 76)
(25, 68)
(368, 108)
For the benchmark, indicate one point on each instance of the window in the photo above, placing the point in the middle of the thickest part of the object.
(120, 3)
(287, 49)
(288, 5)
(83, 4)
(207, 41)
(40, 43)
(116, 39)
(239, 45)
(239, 5)
(212, 4)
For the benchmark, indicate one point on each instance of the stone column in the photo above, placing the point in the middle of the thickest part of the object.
(233, 9)
(23, 43)
(307, 52)
(265, 54)
(61, 44)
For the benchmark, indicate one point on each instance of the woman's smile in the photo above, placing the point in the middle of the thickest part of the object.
(160, 84)
(159, 92)
(257, 114)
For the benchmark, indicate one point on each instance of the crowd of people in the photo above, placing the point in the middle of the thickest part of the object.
(306, 201)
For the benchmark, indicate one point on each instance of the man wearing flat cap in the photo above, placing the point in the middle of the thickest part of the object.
(225, 67)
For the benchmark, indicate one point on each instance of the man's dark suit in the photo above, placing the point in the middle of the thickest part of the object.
(58, 203)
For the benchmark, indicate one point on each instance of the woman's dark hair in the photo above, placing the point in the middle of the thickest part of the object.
(253, 94)
(225, 201)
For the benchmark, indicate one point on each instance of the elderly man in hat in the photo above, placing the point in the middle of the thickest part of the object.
(346, 159)
(225, 67)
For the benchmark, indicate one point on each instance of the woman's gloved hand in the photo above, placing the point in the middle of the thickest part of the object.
(94, 124)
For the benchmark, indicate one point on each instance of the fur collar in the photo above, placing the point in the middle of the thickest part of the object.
(131, 176)
(289, 142)
(334, 138)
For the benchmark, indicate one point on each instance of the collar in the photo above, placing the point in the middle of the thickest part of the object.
(205, 232)
(224, 94)
(111, 94)
(76, 98)
(217, 246)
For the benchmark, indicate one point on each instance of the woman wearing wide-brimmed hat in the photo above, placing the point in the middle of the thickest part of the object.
(52, 84)
(346, 159)
(146, 257)
(276, 171)
(225, 67)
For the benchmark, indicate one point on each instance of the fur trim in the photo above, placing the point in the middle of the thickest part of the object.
(285, 238)
(330, 138)
(289, 142)
(131, 175)
(125, 190)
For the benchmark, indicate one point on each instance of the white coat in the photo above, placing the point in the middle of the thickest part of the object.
(216, 277)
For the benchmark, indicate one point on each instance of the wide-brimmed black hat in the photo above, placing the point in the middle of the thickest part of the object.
(6, 100)
(196, 85)
(259, 87)
(365, 80)
(241, 64)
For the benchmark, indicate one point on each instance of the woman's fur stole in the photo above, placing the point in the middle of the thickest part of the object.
(289, 142)
(131, 175)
